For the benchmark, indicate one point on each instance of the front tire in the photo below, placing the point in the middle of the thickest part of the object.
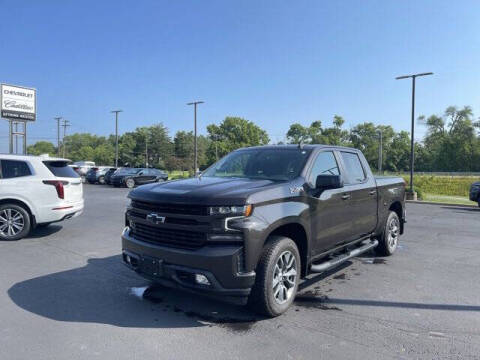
(15, 222)
(388, 241)
(278, 275)
(130, 183)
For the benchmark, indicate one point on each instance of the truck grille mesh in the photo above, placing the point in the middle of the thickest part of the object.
(171, 208)
(168, 237)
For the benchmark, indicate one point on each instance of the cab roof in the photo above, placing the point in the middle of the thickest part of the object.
(297, 146)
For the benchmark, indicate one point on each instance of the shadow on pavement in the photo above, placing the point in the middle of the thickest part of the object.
(460, 208)
(102, 292)
(398, 304)
(41, 232)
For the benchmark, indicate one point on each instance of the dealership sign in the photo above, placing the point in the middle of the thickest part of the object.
(18, 103)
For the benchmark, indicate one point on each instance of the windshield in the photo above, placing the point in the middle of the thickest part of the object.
(127, 171)
(270, 164)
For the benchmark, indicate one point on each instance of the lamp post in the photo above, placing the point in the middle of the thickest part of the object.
(412, 141)
(380, 150)
(195, 103)
(116, 135)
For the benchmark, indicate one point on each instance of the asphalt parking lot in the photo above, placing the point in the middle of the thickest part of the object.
(64, 294)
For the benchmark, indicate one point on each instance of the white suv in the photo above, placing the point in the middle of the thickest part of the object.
(36, 191)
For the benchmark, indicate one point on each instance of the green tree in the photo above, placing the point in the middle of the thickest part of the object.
(452, 140)
(316, 134)
(234, 133)
(42, 147)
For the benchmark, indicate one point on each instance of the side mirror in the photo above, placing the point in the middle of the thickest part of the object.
(140, 173)
(329, 182)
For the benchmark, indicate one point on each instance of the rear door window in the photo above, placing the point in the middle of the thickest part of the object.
(353, 166)
(60, 169)
(14, 168)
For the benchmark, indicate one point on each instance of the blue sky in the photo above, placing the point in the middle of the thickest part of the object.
(272, 62)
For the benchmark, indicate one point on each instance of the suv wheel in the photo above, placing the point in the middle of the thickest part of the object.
(14, 222)
(278, 275)
(130, 183)
(101, 180)
(388, 241)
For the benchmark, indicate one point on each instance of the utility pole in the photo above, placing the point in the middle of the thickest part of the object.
(195, 165)
(116, 135)
(58, 118)
(412, 141)
(65, 125)
(380, 150)
(146, 152)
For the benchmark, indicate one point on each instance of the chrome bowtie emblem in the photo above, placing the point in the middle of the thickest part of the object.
(155, 218)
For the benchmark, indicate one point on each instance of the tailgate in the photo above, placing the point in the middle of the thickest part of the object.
(73, 191)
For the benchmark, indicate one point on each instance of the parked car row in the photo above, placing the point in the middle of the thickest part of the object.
(125, 177)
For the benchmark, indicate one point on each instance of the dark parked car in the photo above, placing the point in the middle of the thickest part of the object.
(130, 177)
(97, 174)
(260, 219)
(108, 175)
(475, 192)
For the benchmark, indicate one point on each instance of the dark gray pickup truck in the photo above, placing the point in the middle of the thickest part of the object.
(260, 219)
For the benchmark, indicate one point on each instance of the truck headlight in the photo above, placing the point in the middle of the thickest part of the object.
(245, 210)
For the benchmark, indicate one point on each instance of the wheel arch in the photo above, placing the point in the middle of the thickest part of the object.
(298, 234)
(22, 204)
(397, 207)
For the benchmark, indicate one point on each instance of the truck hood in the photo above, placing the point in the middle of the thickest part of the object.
(204, 191)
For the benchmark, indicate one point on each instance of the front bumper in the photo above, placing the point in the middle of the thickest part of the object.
(116, 181)
(175, 267)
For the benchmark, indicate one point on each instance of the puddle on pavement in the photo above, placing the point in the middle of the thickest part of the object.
(374, 261)
(237, 324)
(314, 300)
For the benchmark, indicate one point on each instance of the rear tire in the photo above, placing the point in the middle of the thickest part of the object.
(15, 222)
(277, 277)
(388, 241)
(101, 180)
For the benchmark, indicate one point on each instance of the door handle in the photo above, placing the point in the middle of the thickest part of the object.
(345, 196)
(373, 192)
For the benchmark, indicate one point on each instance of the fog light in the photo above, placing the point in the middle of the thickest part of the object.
(201, 279)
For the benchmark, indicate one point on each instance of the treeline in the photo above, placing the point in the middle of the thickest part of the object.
(451, 143)
(153, 146)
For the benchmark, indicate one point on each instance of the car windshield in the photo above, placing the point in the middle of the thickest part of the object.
(271, 164)
(127, 171)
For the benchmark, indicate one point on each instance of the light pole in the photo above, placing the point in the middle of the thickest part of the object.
(412, 141)
(116, 135)
(195, 103)
(380, 150)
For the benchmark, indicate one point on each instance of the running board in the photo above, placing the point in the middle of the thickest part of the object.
(344, 257)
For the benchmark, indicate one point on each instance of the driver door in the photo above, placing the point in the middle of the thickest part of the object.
(329, 209)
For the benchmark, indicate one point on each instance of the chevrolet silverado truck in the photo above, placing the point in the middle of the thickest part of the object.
(252, 225)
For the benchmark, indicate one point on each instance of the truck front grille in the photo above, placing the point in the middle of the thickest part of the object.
(168, 237)
(171, 208)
